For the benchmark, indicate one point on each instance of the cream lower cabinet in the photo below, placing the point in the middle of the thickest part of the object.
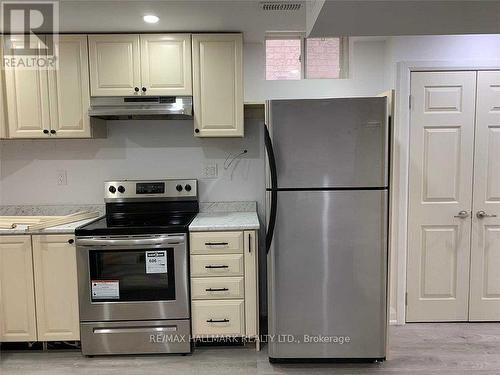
(17, 291)
(218, 85)
(38, 288)
(56, 290)
(224, 286)
(52, 103)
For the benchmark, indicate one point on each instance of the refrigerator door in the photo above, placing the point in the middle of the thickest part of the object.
(328, 275)
(330, 142)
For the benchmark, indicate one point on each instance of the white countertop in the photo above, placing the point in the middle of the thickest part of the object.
(58, 229)
(224, 221)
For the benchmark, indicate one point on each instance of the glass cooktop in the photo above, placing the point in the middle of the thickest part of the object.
(125, 224)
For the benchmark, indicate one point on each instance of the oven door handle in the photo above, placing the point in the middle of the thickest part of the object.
(129, 242)
(149, 329)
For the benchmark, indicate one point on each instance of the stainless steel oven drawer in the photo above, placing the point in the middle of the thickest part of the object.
(135, 337)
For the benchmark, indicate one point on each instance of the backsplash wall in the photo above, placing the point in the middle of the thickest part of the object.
(134, 150)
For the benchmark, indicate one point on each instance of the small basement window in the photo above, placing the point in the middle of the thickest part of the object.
(293, 57)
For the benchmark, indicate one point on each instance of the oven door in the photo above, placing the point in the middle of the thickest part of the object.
(133, 277)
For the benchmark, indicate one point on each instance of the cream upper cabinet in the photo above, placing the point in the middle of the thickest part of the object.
(166, 64)
(69, 89)
(218, 85)
(114, 65)
(56, 292)
(51, 103)
(17, 303)
(27, 99)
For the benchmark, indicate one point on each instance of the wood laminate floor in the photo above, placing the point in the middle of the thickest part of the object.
(444, 349)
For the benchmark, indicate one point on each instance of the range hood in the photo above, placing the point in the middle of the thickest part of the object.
(141, 107)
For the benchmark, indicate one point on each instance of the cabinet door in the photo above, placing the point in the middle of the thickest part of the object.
(56, 292)
(114, 65)
(69, 89)
(251, 284)
(17, 294)
(485, 252)
(166, 64)
(218, 85)
(27, 99)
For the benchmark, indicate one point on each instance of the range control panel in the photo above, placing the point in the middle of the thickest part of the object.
(150, 190)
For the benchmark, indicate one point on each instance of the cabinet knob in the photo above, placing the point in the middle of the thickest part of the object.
(45, 131)
(144, 89)
(136, 89)
(71, 241)
(52, 131)
(196, 130)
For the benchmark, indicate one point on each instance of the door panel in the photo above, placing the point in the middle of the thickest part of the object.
(114, 65)
(69, 89)
(27, 99)
(485, 252)
(17, 292)
(441, 157)
(330, 142)
(218, 85)
(166, 64)
(54, 261)
(328, 272)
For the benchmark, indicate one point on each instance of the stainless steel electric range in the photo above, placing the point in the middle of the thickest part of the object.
(133, 269)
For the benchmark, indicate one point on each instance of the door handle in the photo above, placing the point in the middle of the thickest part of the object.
(223, 244)
(210, 266)
(274, 185)
(218, 321)
(216, 289)
(482, 214)
(148, 329)
(462, 214)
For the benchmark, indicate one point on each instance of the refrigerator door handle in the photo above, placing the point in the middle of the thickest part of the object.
(274, 186)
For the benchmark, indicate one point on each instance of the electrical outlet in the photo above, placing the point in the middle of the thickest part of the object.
(62, 177)
(210, 170)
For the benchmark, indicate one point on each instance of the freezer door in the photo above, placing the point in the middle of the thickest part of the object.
(330, 142)
(328, 275)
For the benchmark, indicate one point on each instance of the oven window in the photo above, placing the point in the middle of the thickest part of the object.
(132, 275)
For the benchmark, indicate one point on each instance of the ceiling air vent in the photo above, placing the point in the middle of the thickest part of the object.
(280, 5)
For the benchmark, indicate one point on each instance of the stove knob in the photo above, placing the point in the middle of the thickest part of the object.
(112, 189)
(121, 189)
(187, 187)
(178, 188)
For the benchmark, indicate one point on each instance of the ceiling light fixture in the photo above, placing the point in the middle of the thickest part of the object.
(151, 18)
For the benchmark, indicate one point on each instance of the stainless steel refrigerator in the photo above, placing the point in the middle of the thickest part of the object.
(327, 217)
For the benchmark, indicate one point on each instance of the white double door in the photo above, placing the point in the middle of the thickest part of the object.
(453, 270)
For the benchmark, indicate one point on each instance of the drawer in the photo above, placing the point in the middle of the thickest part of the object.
(217, 287)
(218, 318)
(217, 265)
(216, 243)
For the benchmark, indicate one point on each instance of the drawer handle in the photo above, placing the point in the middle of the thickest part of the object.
(216, 289)
(217, 266)
(217, 244)
(218, 321)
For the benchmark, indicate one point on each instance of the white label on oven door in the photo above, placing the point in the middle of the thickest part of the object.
(156, 261)
(105, 289)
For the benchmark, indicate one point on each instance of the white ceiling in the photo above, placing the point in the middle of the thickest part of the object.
(177, 16)
(407, 17)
